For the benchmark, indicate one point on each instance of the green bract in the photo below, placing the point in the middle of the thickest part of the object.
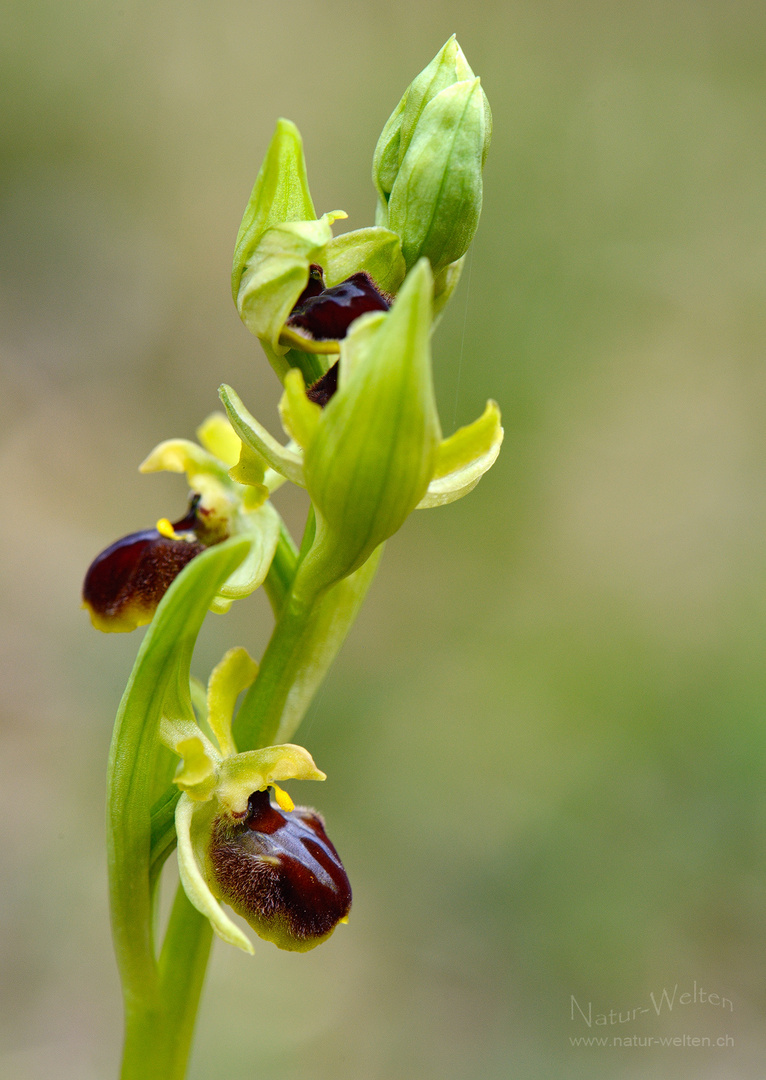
(372, 455)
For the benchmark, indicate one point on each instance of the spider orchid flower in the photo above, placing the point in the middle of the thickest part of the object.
(271, 862)
(126, 582)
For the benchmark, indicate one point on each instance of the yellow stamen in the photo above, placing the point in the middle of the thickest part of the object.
(164, 528)
(284, 802)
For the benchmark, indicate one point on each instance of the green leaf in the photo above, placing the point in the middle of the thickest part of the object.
(372, 457)
(159, 682)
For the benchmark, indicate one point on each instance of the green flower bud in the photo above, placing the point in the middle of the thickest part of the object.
(428, 161)
(372, 452)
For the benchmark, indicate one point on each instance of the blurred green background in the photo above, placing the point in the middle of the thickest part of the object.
(545, 737)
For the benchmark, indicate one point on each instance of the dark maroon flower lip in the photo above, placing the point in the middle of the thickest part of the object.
(279, 870)
(323, 389)
(125, 582)
(324, 315)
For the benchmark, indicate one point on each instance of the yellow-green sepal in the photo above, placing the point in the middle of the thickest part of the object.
(193, 825)
(281, 459)
(375, 250)
(464, 457)
(262, 525)
(280, 193)
(255, 770)
(277, 273)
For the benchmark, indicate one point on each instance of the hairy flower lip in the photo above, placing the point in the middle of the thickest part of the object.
(323, 389)
(280, 871)
(126, 581)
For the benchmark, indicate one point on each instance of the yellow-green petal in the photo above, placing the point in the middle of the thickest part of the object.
(255, 770)
(219, 438)
(183, 456)
(193, 824)
(231, 675)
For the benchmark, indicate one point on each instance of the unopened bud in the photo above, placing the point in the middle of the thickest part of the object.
(428, 161)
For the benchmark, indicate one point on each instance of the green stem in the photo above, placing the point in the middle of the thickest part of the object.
(162, 997)
(307, 636)
(159, 1026)
(260, 713)
(183, 963)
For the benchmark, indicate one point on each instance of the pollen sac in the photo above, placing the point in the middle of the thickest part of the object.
(125, 583)
(280, 872)
(326, 315)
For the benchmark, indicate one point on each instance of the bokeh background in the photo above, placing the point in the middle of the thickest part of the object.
(545, 737)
